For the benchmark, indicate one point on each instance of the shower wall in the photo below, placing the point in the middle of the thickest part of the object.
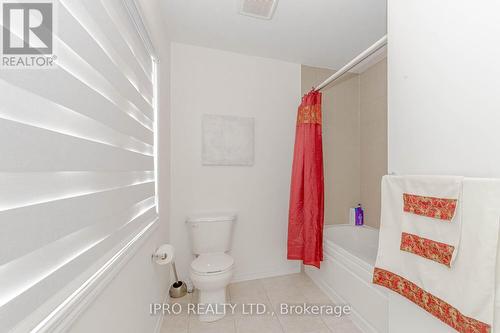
(373, 127)
(341, 142)
(354, 140)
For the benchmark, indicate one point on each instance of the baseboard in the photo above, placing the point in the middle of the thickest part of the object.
(356, 318)
(266, 274)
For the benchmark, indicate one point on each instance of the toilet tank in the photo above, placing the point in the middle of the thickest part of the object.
(211, 233)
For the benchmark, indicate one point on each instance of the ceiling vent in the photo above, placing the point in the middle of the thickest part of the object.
(263, 9)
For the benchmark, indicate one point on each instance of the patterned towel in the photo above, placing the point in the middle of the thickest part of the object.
(461, 295)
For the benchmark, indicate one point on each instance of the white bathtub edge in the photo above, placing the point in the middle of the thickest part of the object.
(337, 252)
(356, 318)
(346, 276)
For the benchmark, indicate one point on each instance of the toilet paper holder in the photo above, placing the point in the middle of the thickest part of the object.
(158, 256)
(161, 257)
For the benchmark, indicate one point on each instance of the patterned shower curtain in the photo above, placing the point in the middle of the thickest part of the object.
(306, 212)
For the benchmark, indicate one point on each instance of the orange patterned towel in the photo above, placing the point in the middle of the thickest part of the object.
(438, 208)
(427, 248)
(416, 251)
(431, 212)
(430, 303)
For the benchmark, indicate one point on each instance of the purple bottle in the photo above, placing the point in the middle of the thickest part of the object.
(359, 215)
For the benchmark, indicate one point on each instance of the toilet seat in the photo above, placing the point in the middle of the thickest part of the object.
(212, 263)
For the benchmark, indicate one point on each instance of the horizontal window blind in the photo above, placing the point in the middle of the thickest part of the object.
(77, 181)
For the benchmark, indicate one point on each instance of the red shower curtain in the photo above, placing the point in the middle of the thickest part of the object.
(306, 212)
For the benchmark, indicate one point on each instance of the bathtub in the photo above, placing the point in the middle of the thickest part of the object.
(346, 275)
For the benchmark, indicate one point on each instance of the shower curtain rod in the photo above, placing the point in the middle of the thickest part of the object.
(351, 64)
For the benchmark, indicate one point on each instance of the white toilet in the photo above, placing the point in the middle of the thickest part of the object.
(212, 269)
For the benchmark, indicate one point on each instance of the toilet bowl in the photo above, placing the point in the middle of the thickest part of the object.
(212, 269)
(211, 273)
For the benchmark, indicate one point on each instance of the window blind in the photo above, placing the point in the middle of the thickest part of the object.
(77, 181)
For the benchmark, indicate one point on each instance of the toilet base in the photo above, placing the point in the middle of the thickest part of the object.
(213, 304)
(212, 301)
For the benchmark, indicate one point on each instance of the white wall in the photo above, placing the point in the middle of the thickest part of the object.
(124, 305)
(206, 81)
(444, 79)
(444, 100)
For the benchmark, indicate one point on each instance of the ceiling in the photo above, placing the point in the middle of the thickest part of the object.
(321, 33)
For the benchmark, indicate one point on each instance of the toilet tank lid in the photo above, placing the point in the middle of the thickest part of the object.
(211, 217)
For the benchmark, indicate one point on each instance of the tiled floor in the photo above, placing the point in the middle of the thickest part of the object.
(290, 289)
